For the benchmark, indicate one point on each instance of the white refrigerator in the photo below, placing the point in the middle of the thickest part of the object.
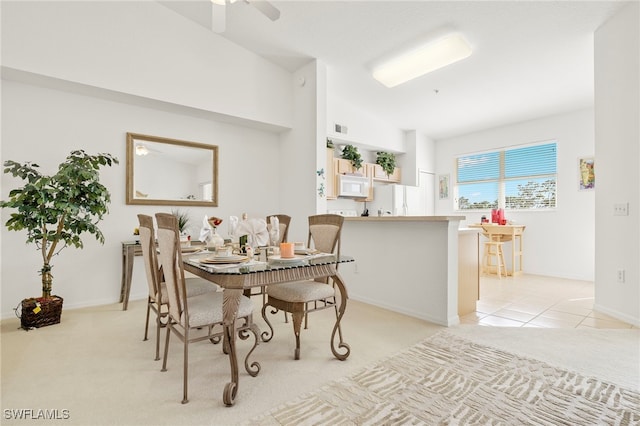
(399, 200)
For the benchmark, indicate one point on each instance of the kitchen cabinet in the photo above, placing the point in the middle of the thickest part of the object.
(468, 271)
(345, 167)
(342, 166)
(330, 189)
(380, 175)
(368, 172)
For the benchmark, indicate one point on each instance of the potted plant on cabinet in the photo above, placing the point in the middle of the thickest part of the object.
(387, 161)
(351, 153)
(55, 210)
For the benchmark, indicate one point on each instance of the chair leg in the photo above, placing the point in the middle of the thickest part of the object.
(297, 323)
(158, 326)
(146, 325)
(185, 379)
(501, 261)
(166, 347)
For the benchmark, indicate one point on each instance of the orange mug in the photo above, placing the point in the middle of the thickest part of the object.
(287, 250)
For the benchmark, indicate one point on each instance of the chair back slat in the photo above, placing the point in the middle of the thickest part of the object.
(171, 261)
(148, 245)
(283, 222)
(324, 232)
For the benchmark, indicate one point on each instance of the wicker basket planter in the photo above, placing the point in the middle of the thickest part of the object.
(40, 312)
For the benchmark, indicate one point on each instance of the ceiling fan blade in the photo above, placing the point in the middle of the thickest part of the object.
(266, 8)
(218, 17)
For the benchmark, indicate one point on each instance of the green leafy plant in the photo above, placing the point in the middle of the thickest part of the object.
(330, 143)
(56, 210)
(183, 219)
(387, 161)
(350, 152)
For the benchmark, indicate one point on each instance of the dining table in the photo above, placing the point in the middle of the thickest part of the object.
(235, 279)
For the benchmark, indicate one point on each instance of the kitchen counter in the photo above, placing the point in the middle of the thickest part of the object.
(407, 264)
(404, 218)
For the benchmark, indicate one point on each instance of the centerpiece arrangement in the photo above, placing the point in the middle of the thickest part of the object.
(211, 237)
(55, 210)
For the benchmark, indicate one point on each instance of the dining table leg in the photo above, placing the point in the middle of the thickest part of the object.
(128, 253)
(337, 280)
(230, 304)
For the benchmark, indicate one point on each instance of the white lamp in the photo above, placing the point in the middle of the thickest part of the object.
(417, 62)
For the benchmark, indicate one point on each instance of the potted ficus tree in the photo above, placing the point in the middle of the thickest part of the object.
(54, 211)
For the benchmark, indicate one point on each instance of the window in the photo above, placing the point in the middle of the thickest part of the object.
(522, 178)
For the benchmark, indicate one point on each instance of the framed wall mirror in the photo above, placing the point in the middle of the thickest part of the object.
(162, 171)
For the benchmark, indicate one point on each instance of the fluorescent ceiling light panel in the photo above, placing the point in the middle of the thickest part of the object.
(422, 60)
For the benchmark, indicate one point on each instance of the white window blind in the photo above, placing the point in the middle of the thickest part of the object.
(516, 178)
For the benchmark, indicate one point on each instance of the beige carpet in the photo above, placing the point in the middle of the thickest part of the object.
(95, 365)
(447, 379)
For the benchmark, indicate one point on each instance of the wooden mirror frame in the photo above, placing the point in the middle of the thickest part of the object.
(136, 138)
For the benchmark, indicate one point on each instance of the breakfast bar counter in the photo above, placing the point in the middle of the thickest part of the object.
(385, 219)
(407, 264)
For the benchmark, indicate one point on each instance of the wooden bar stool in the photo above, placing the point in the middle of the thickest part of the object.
(493, 261)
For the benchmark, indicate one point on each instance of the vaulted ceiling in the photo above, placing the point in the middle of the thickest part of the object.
(530, 58)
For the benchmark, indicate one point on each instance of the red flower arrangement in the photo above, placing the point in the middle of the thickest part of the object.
(215, 221)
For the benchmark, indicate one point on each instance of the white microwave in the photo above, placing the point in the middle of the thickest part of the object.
(352, 186)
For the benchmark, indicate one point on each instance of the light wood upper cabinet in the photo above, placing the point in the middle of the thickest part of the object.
(381, 175)
(344, 167)
(330, 176)
(368, 172)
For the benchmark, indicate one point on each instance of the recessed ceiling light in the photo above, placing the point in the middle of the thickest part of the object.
(424, 59)
(141, 150)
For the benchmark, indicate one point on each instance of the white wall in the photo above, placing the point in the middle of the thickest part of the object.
(44, 125)
(557, 243)
(617, 136)
(144, 49)
(300, 148)
(364, 128)
(98, 70)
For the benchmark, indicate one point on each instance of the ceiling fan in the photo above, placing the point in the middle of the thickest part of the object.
(218, 11)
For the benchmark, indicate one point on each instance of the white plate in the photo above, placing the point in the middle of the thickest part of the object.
(306, 251)
(189, 250)
(224, 259)
(278, 258)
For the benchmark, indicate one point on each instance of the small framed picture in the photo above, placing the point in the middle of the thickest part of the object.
(586, 174)
(443, 187)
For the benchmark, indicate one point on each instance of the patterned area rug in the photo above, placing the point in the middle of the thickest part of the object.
(449, 380)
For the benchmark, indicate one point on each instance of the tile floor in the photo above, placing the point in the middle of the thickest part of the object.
(537, 301)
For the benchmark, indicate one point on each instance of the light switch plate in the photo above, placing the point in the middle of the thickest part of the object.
(621, 209)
